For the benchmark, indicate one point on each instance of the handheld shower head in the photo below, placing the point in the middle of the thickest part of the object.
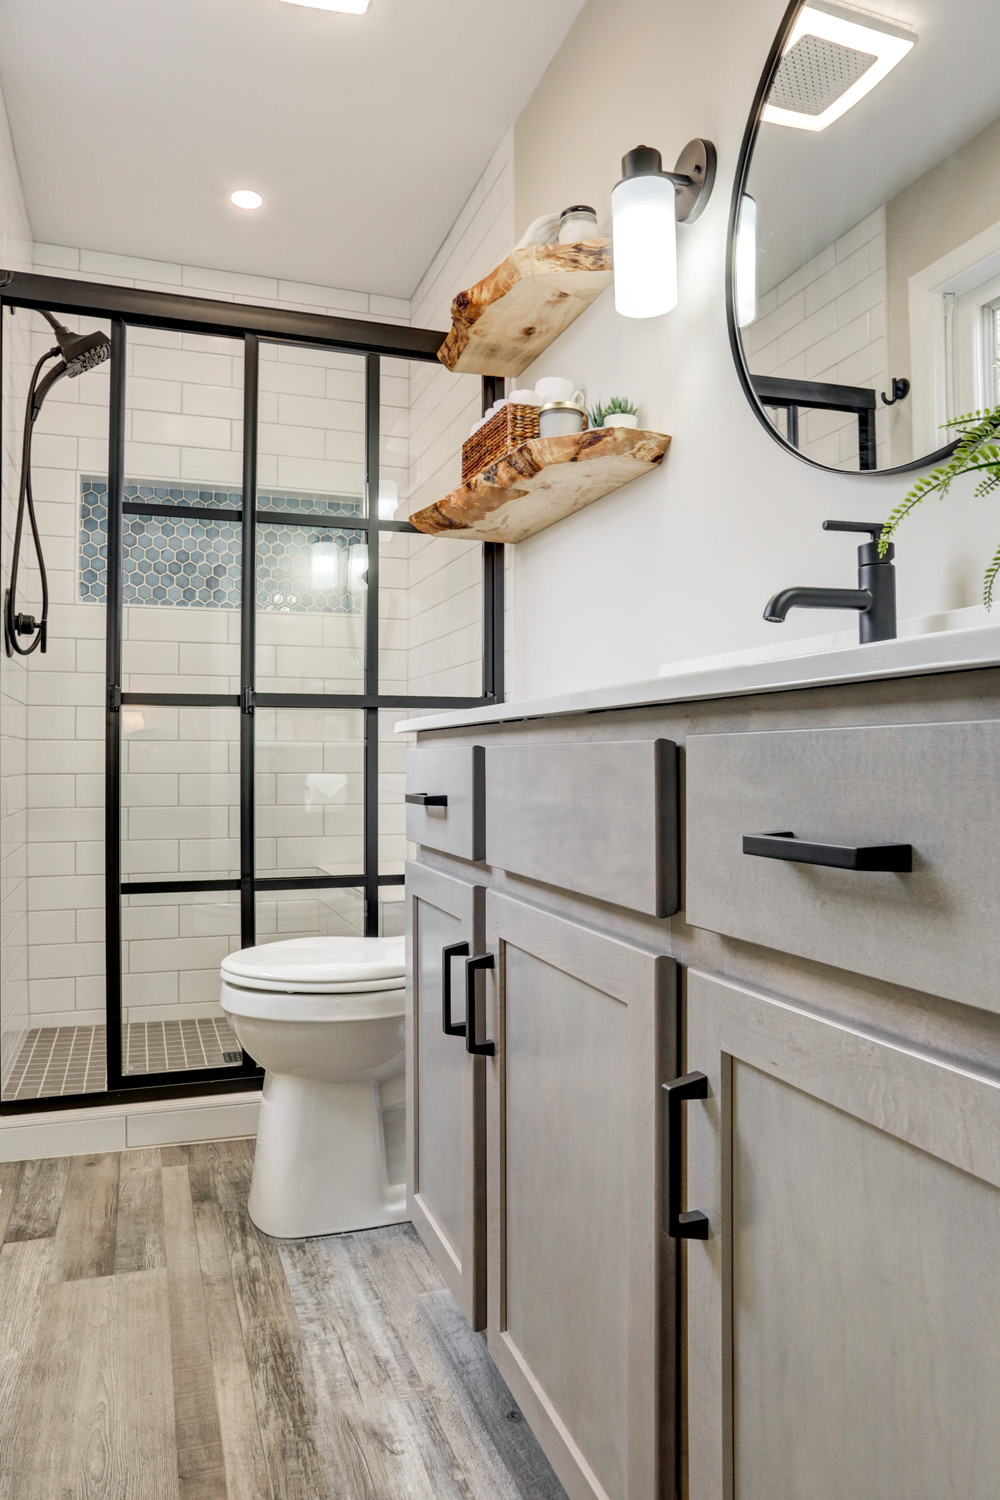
(81, 351)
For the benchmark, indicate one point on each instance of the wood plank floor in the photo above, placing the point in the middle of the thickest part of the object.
(155, 1346)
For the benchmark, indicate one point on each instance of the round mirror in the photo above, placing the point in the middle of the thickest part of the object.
(864, 266)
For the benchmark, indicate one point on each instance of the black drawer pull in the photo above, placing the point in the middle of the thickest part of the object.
(472, 967)
(453, 950)
(895, 857)
(425, 799)
(692, 1225)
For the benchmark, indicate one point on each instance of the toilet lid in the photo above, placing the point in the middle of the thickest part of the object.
(320, 963)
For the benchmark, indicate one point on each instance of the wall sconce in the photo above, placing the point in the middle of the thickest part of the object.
(745, 269)
(646, 207)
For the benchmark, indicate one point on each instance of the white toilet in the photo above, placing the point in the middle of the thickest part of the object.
(324, 1017)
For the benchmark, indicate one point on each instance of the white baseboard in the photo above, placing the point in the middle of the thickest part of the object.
(118, 1127)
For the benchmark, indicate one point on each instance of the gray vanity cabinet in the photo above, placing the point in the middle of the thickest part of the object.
(581, 1283)
(842, 1319)
(445, 1086)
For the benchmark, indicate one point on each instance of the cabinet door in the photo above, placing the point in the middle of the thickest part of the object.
(580, 1274)
(843, 1315)
(446, 1141)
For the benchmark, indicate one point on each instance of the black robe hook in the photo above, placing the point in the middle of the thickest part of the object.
(900, 390)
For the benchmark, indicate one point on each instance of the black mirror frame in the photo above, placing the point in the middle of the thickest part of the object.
(736, 343)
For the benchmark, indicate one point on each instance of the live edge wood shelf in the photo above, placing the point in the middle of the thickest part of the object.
(540, 482)
(506, 320)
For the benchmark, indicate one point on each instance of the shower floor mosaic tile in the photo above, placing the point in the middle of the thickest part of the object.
(57, 1060)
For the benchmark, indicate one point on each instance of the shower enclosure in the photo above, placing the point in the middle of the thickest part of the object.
(204, 758)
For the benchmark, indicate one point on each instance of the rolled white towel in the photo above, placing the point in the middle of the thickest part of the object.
(541, 231)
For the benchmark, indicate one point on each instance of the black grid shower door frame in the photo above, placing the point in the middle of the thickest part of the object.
(251, 326)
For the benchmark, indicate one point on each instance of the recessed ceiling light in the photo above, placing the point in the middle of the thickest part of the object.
(834, 56)
(348, 7)
(246, 198)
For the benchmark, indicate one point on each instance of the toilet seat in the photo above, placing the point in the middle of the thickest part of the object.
(316, 979)
(319, 965)
(320, 1005)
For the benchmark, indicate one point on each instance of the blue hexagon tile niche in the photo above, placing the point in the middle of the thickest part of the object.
(172, 561)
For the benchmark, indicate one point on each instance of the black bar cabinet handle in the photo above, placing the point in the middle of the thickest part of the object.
(692, 1225)
(472, 967)
(897, 858)
(425, 799)
(453, 950)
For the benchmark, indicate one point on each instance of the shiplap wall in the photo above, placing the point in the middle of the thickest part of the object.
(445, 576)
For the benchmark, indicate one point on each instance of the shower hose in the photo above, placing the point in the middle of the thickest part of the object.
(14, 623)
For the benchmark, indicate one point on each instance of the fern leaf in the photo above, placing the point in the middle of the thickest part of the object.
(989, 582)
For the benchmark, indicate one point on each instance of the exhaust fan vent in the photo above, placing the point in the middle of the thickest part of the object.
(814, 73)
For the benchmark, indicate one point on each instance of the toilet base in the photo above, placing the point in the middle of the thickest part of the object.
(319, 1167)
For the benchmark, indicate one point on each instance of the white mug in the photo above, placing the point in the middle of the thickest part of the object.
(556, 388)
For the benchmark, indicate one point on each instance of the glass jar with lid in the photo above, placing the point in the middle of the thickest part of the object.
(577, 223)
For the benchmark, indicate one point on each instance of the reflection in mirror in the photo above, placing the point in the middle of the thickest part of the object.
(865, 276)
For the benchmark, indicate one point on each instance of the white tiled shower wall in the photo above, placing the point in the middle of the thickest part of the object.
(15, 254)
(827, 321)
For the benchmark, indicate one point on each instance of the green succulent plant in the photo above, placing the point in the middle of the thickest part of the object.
(615, 405)
(978, 451)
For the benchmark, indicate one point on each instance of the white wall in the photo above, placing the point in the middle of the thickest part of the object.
(681, 562)
(15, 254)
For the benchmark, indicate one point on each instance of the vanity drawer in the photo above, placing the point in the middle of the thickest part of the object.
(598, 818)
(444, 799)
(934, 787)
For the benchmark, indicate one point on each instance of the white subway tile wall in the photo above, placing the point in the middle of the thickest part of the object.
(827, 321)
(15, 252)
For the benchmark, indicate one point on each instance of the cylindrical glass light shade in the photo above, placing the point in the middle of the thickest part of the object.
(644, 225)
(745, 268)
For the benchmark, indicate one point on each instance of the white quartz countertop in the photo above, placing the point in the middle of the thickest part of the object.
(941, 644)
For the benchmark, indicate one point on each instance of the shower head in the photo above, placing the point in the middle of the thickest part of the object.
(81, 351)
(85, 352)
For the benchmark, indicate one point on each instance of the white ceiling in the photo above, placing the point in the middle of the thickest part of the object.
(133, 120)
(812, 186)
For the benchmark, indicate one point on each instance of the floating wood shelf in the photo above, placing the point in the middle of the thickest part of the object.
(506, 320)
(540, 482)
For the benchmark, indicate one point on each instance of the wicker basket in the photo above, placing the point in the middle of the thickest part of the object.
(505, 429)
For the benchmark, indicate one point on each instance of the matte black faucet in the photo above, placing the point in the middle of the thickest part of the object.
(874, 598)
